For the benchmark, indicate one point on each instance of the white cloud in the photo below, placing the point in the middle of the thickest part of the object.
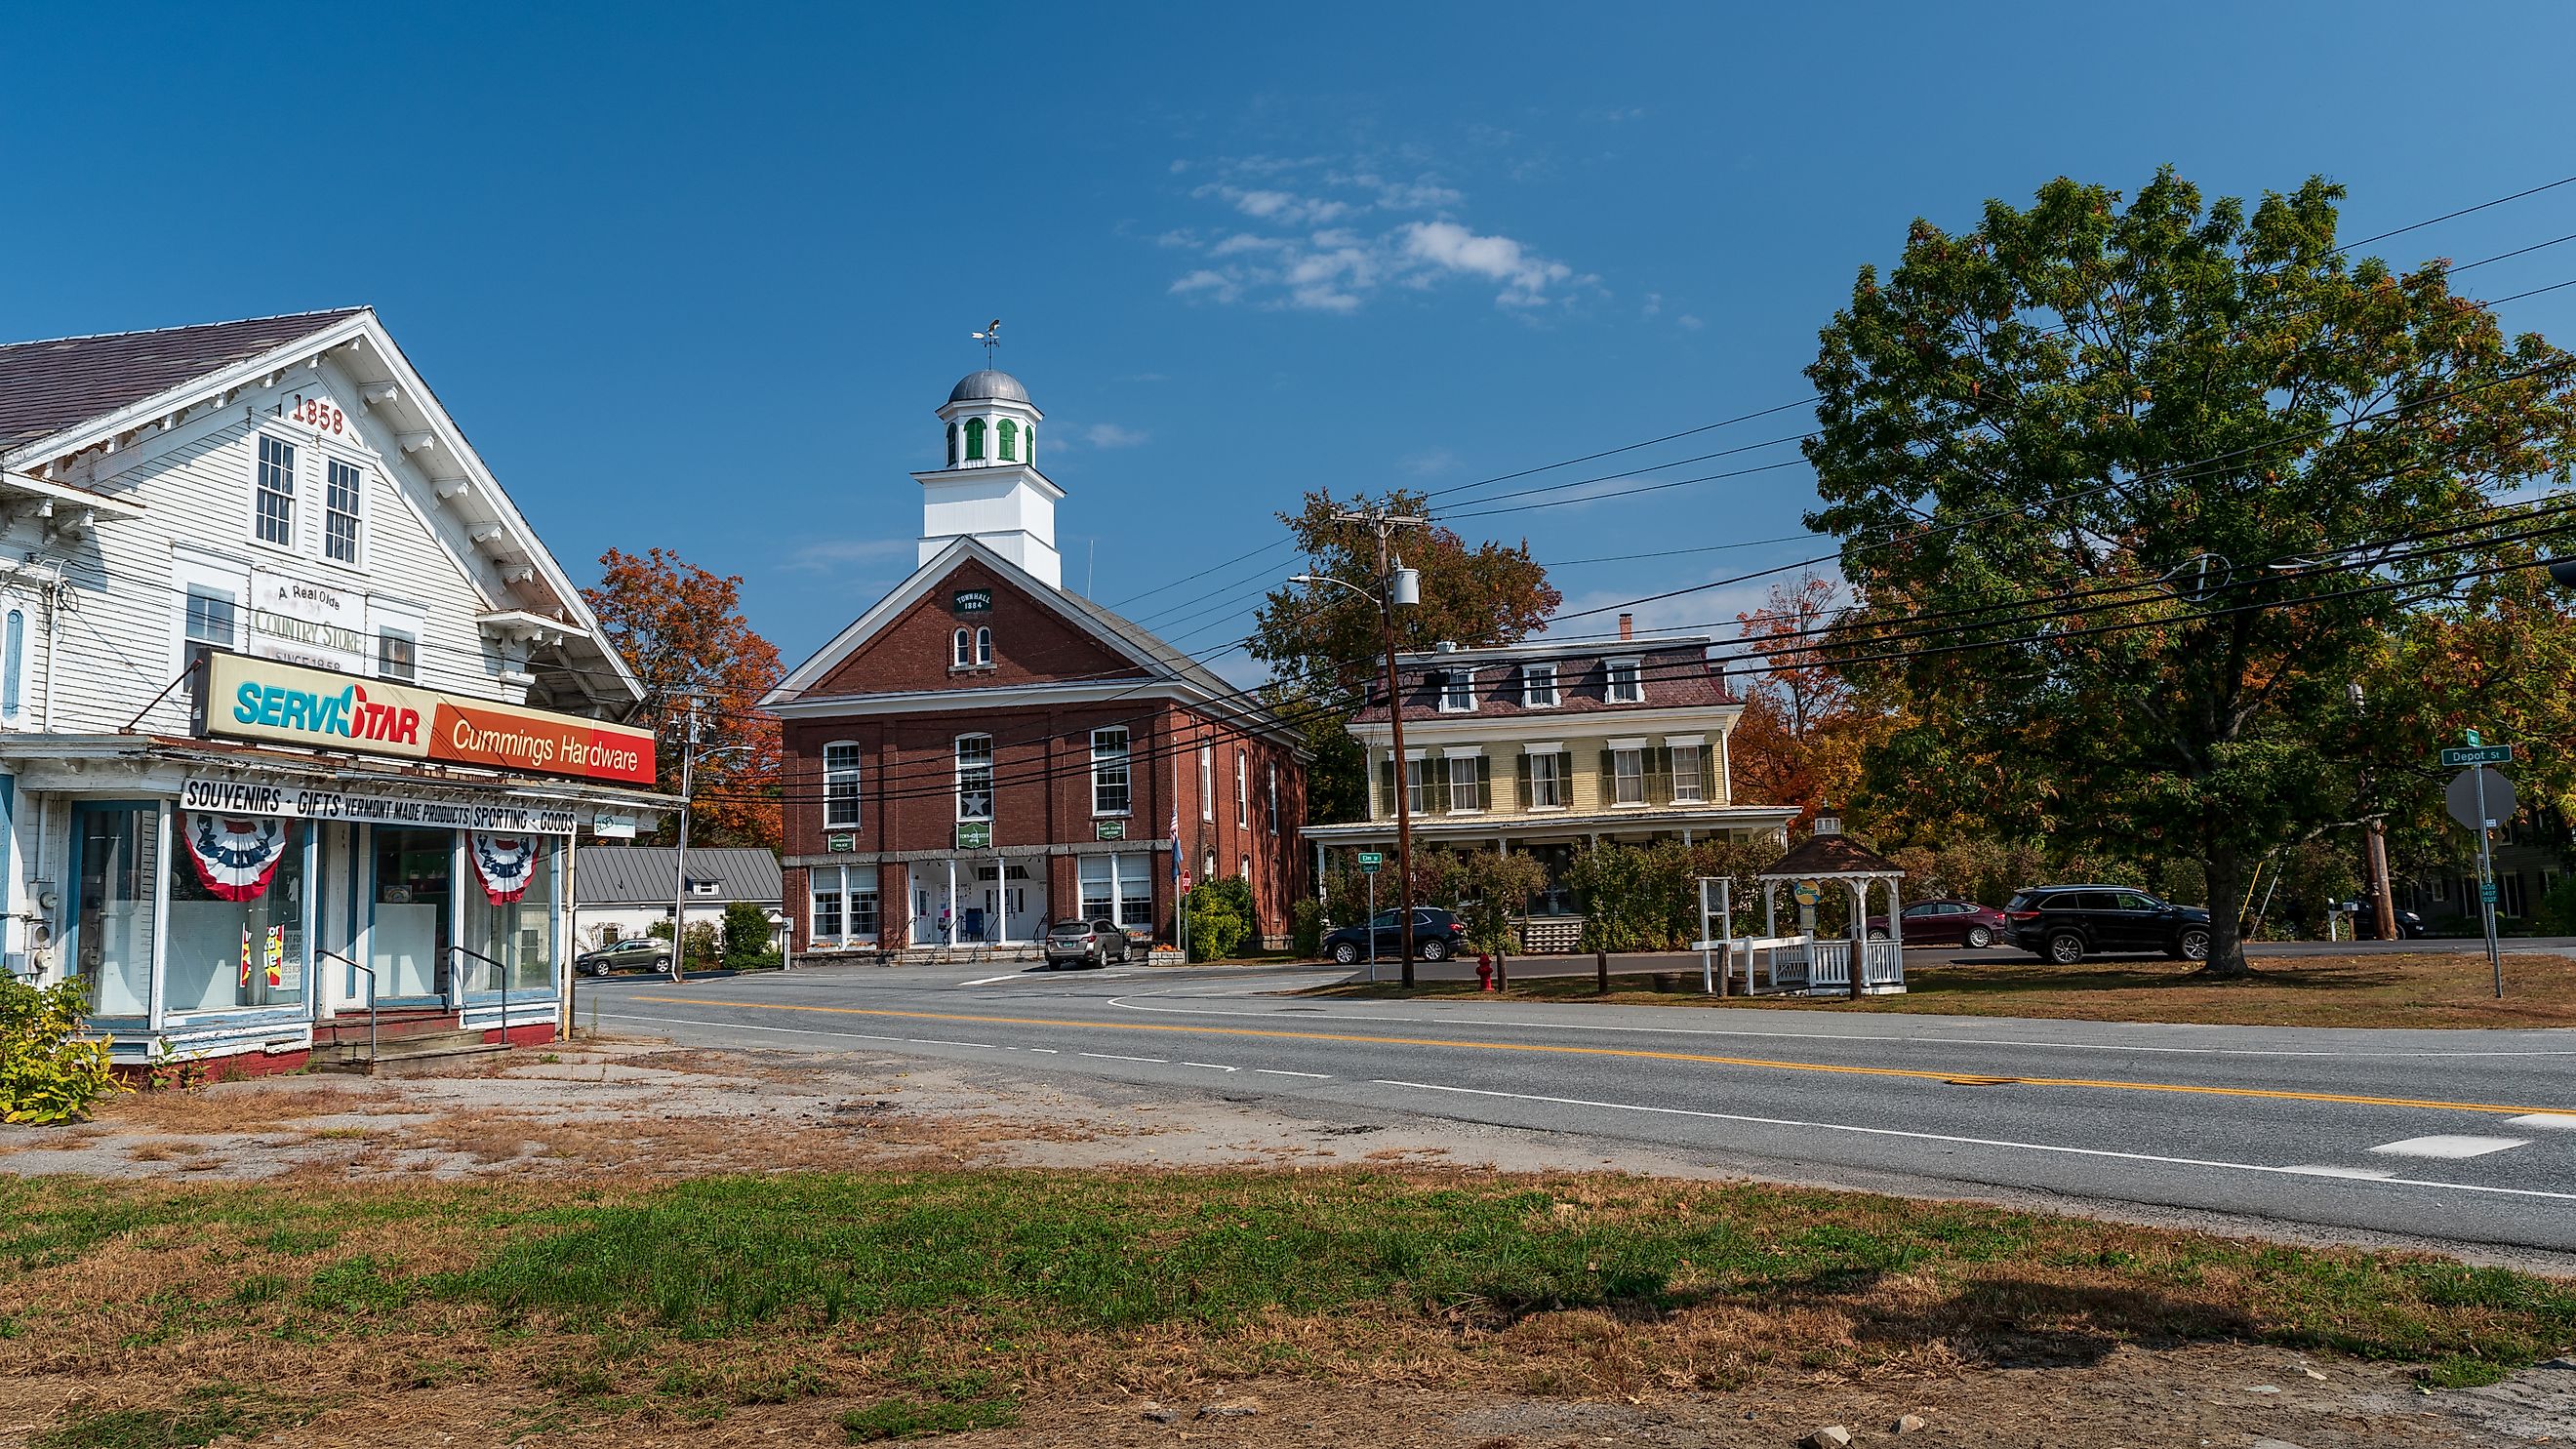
(1690, 323)
(1525, 275)
(1654, 305)
(1244, 241)
(1429, 462)
(1110, 435)
(1214, 284)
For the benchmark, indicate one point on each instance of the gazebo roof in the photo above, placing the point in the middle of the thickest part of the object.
(1821, 857)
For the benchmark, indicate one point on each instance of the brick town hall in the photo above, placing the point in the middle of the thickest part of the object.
(984, 751)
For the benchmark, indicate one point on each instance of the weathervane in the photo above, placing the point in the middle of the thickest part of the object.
(991, 337)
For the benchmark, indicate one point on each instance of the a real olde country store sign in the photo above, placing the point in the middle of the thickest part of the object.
(262, 699)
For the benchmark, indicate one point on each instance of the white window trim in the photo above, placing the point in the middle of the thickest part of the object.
(234, 578)
(383, 614)
(1242, 792)
(858, 786)
(1674, 742)
(1207, 783)
(1610, 679)
(1625, 742)
(1638, 749)
(1472, 757)
(1126, 756)
(957, 768)
(1564, 787)
(1274, 797)
(1530, 670)
(20, 677)
(1450, 678)
(1543, 747)
(295, 501)
(347, 457)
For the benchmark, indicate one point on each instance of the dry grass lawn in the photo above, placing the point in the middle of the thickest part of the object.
(2411, 989)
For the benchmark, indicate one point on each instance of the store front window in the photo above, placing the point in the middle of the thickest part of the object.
(408, 938)
(112, 911)
(509, 912)
(236, 913)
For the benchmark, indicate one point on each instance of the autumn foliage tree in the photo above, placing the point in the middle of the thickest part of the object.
(681, 630)
(1806, 726)
(1327, 645)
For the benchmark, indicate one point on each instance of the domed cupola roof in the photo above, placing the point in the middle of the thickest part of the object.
(988, 384)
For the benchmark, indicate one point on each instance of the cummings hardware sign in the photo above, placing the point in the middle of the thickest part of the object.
(234, 797)
(261, 699)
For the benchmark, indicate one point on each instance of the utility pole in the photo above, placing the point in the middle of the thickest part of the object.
(2383, 901)
(1383, 522)
(680, 864)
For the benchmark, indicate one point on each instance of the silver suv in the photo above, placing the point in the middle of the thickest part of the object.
(1085, 943)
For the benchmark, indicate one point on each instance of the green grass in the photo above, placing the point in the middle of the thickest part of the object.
(201, 1416)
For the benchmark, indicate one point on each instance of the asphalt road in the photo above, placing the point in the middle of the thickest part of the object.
(2461, 1137)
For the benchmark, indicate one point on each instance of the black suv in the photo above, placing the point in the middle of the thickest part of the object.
(1437, 936)
(2065, 924)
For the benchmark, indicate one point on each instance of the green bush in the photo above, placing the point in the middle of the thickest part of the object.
(2556, 913)
(1496, 889)
(1221, 917)
(49, 1071)
(747, 933)
(703, 939)
(1306, 928)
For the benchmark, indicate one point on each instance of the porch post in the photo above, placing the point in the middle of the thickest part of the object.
(1859, 890)
(948, 933)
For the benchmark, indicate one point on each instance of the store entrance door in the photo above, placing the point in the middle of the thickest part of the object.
(410, 931)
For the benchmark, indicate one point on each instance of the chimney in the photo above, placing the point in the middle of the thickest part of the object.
(1627, 626)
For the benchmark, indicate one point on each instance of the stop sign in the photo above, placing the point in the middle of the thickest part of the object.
(2462, 797)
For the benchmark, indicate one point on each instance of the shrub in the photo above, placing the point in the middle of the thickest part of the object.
(1497, 888)
(1306, 928)
(2556, 913)
(748, 933)
(49, 1072)
(1221, 917)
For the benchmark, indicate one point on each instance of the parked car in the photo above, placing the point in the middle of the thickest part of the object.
(1084, 943)
(1947, 922)
(649, 952)
(2065, 924)
(1437, 936)
(2365, 921)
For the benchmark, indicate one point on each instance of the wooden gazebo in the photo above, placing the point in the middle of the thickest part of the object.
(1833, 856)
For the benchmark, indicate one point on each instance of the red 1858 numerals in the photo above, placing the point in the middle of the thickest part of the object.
(319, 413)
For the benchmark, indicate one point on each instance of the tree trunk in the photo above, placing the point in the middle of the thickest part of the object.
(2224, 868)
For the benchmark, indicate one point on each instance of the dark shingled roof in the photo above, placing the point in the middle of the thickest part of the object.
(1830, 855)
(640, 875)
(46, 387)
(1248, 713)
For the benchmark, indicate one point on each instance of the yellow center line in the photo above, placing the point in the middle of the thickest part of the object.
(1468, 1044)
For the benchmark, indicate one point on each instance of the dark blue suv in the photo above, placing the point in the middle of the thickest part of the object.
(2065, 924)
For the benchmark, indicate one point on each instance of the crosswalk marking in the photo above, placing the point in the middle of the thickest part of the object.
(2544, 1122)
(2450, 1145)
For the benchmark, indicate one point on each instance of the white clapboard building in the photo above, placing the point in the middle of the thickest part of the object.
(298, 717)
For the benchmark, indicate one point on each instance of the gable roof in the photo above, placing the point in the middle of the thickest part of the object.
(48, 386)
(640, 875)
(86, 395)
(1824, 855)
(1120, 635)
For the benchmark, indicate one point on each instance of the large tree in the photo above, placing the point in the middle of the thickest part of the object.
(1806, 725)
(2109, 475)
(681, 629)
(1326, 645)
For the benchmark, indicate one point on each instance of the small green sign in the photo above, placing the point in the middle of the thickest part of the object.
(975, 835)
(2470, 735)
(1370, 860)
(840, 842)
(971, 601)
(2487, 892)
(1109, 830)
(2478, 755)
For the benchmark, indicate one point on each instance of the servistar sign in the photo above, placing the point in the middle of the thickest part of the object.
(287, 704)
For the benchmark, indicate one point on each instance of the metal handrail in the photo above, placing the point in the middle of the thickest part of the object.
(500, 973)
(357, 965)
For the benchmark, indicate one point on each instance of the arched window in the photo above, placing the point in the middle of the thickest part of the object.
(1009, 438)
(965, 653)
(983, 646)
(13, 668)
(974, 440)
(1029, 450)
(952, 445)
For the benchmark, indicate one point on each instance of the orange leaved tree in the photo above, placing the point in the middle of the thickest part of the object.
(680, 628)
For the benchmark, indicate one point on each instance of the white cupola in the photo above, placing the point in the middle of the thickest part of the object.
(991, 489)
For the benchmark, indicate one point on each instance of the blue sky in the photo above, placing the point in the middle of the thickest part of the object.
(699, 277)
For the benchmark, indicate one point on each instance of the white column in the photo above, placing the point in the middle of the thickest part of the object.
(948, 936)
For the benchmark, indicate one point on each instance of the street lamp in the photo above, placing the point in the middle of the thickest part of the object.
(1402, 587)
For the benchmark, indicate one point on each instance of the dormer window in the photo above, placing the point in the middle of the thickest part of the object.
(1458, 691)
(1538, 686)
(1627, 682)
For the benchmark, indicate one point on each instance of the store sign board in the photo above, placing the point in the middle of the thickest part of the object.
(607, 825)
(296, 621)
(376, 807)
(1109, 830)
(287, 704)
(975, 835)
(971, 601)
(839, 844)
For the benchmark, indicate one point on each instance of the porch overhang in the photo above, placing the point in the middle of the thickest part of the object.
(1568, 826)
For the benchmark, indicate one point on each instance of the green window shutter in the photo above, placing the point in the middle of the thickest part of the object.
(1435, 786)
(1609, 778)
(1708, 774)
(975, 439)
(1659, 776)
(1485, 782)
(952, 445)
(1386, 788)
(1565, 778)
(1009, 436)
(1521, 774)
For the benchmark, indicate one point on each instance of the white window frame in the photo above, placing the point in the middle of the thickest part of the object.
(260, 443)
(1458, 691)
(961, 649)
(1242, 793)
(1104, 760)
(387, 633)
(848, 883)
(215, 574)
(1556, 782)
(17, 647)
(1474, 784)
(964, 772)
(983, 645)
(1636, 671)
(356, 513)
(1415, 779)
(1531, 688)
(1274, 797)
(1207, 783)
(842, 787)
(1627, 763)
(1698, 747)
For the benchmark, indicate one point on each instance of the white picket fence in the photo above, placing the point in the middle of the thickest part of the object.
(1882, 967)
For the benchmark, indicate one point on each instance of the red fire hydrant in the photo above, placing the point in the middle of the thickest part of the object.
(1485, 970)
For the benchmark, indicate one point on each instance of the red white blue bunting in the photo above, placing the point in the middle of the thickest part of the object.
(236, 858)
(506, 864)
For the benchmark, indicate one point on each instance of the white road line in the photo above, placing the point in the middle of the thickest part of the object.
(1495, 1023)
(2543, 1122)
(1212, 1066)
(2450, 1145)
(1276, 1072)
(1974, 1141)
(989, 980)
(1112, 1057)
(2366, 1174)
